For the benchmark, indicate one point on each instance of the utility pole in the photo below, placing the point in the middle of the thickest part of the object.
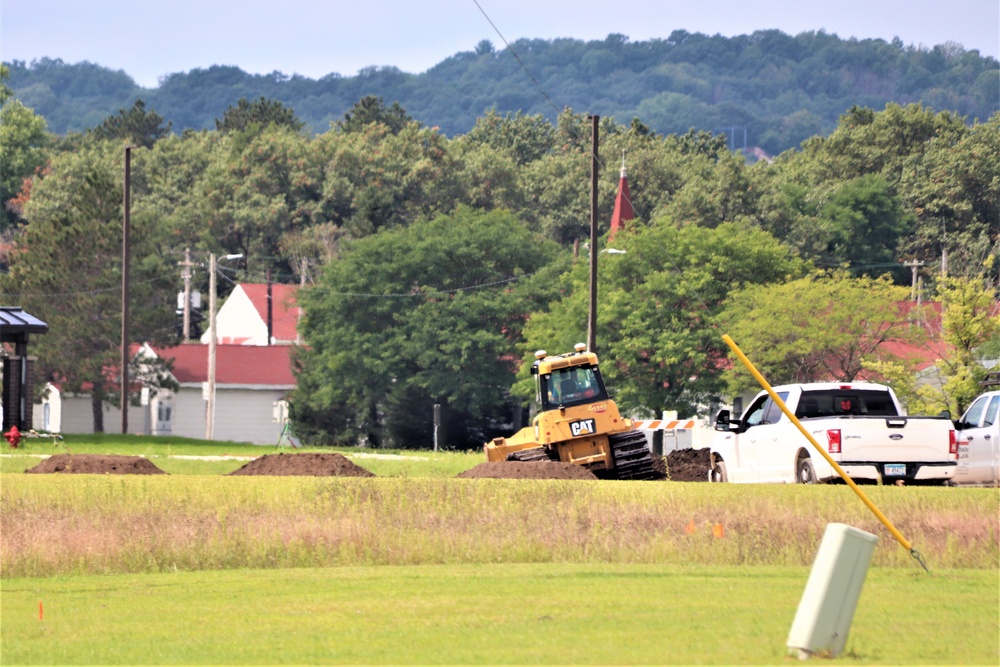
(210, 389)
(187, 293)
(594, 166)
(270, 309)
(914, 265)
(126, 223)
(944, 248)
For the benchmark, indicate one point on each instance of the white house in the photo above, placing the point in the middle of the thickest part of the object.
(251, 384)
(252, 378)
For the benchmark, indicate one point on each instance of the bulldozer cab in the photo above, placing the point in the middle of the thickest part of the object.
(566, 387)
(567, 380)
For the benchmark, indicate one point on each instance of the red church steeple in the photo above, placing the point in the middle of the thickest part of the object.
(623, 204)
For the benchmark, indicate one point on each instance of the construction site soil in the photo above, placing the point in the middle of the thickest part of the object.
(97, 464)
(683, 465)
(316, 465)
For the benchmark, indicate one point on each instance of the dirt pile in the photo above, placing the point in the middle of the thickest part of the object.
(314, 465)
(527, 470)
(96, 464)
(682, 465)
(689, 465)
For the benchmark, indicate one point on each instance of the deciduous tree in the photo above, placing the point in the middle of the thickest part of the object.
(416, 316)
(657, 311)
(820, 327)
(67, 270)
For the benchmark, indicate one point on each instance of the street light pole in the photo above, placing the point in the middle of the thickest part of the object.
(592, 313)
(212, 348)
(210, 388)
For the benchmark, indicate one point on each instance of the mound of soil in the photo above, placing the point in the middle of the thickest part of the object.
(314, 465)
(527, 470)
(689, 465)
(97, 464)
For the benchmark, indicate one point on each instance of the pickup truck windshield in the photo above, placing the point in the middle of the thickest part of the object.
(840, 402)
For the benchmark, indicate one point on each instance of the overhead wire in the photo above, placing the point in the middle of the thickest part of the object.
(518, 58)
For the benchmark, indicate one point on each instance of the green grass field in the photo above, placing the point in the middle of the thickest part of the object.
(502, 613)
(417, 567)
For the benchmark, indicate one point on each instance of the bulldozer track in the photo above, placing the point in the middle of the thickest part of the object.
(533, 454)
(631, 455)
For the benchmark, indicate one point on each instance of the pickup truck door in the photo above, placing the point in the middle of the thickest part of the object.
(982, 455)
(744, 467)
(775, 445)
(760, 442)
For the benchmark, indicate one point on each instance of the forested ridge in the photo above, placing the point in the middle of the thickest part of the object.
(766, 89)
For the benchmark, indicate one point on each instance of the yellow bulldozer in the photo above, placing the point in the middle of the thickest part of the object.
(576, 422)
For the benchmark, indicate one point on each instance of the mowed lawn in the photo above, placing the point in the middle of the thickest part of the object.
(503, 613)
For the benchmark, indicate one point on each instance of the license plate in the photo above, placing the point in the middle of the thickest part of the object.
(895, 469)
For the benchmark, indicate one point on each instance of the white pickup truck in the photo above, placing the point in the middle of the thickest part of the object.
(861, 426)
(979, 442)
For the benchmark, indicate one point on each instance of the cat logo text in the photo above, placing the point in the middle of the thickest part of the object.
(582, 427)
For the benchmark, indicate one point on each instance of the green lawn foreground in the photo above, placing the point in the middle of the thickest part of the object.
(486, 614)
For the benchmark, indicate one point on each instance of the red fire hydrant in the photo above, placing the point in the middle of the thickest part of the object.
(13, 436)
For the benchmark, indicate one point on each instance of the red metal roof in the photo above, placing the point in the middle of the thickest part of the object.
(284, 311)
(234, 364)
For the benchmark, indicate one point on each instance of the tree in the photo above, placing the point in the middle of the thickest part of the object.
(372, 109)
(863, 224)
(134, 126)
(443, 304)
(255, 117)
(66, 269)
(23, 141)
(657, 312)
(378, 179)
(523, 138)
(969, 320)
(955, 192)
(820, 327)
(257, 189)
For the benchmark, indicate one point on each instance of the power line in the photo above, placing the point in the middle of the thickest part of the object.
(518, 58)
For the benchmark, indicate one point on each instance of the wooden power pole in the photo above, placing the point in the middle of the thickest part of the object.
(594, 166)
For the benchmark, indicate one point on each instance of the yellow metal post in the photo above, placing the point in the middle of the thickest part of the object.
(840, 471)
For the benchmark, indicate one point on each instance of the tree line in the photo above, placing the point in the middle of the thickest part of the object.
(432, 266)
(766, 89)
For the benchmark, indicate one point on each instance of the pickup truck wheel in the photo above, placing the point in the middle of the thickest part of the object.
(805, 473)
(718, 473)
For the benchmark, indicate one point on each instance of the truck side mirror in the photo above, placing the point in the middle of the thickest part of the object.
(722, 421)
(945, 414)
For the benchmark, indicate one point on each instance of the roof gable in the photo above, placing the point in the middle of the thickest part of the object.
(242, 319)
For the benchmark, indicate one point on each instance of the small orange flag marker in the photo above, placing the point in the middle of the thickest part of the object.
(690, 528)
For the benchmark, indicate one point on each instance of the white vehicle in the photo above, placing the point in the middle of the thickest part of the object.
(979, 442)
(861, 426)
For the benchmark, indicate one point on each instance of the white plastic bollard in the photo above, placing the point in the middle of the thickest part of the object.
(831, 595)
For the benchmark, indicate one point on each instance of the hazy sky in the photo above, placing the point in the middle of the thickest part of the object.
(316, 37)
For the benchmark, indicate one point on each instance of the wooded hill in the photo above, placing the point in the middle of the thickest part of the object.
(766, 89)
